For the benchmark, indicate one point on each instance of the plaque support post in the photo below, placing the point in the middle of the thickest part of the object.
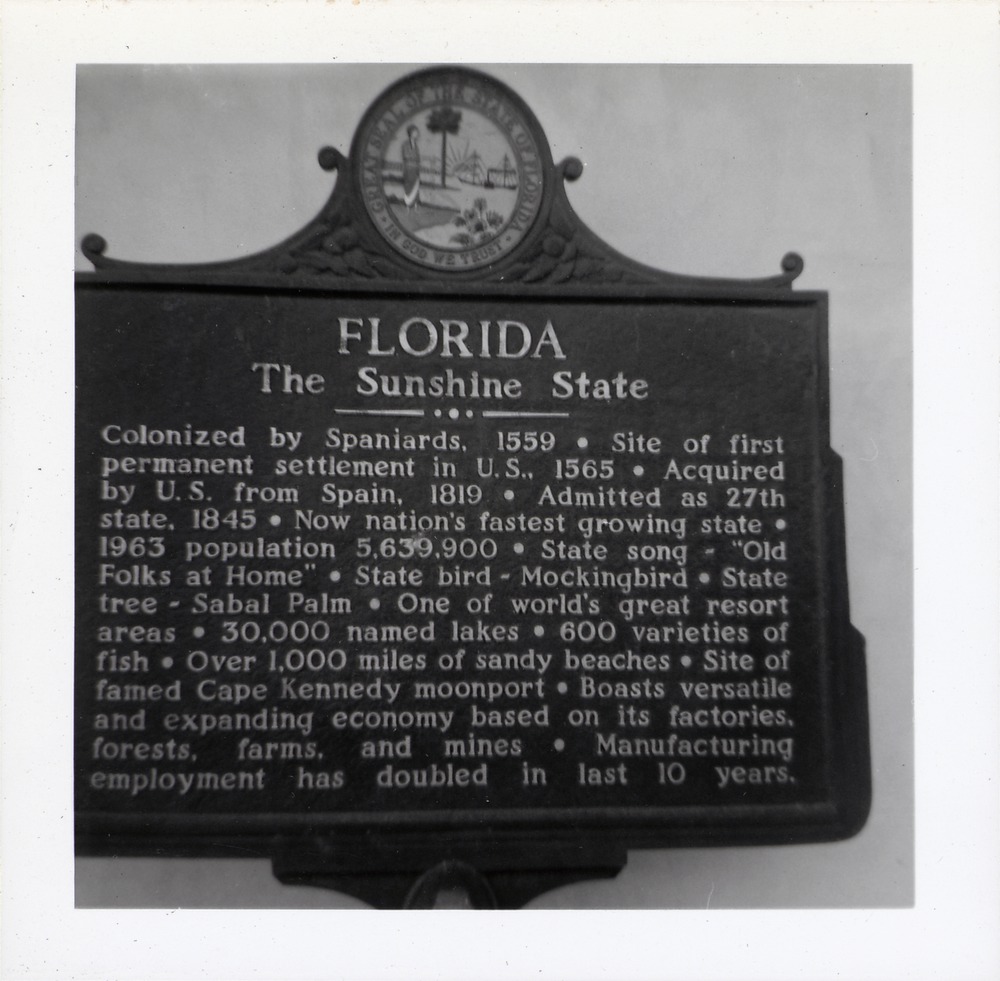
(394, 872)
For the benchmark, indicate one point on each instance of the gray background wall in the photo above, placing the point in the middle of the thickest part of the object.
(715, 170)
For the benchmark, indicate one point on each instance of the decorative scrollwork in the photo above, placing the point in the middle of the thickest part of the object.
(339, 245)
(331, 245)
(333, 249)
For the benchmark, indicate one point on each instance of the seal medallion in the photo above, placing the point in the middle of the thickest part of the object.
(452, 169)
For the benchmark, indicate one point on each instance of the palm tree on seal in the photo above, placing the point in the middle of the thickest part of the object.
(444, 121)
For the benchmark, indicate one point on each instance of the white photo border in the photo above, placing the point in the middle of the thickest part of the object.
(951, 930)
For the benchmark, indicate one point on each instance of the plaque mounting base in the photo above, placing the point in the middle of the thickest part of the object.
(396, 872)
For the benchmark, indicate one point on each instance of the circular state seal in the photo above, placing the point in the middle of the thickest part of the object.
(452, 168)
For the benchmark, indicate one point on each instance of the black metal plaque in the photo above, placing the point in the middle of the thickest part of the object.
(441, 533)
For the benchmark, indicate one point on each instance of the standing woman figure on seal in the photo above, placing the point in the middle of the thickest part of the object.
(411, 168)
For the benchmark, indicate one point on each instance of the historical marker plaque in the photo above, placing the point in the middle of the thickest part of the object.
(443, 526)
